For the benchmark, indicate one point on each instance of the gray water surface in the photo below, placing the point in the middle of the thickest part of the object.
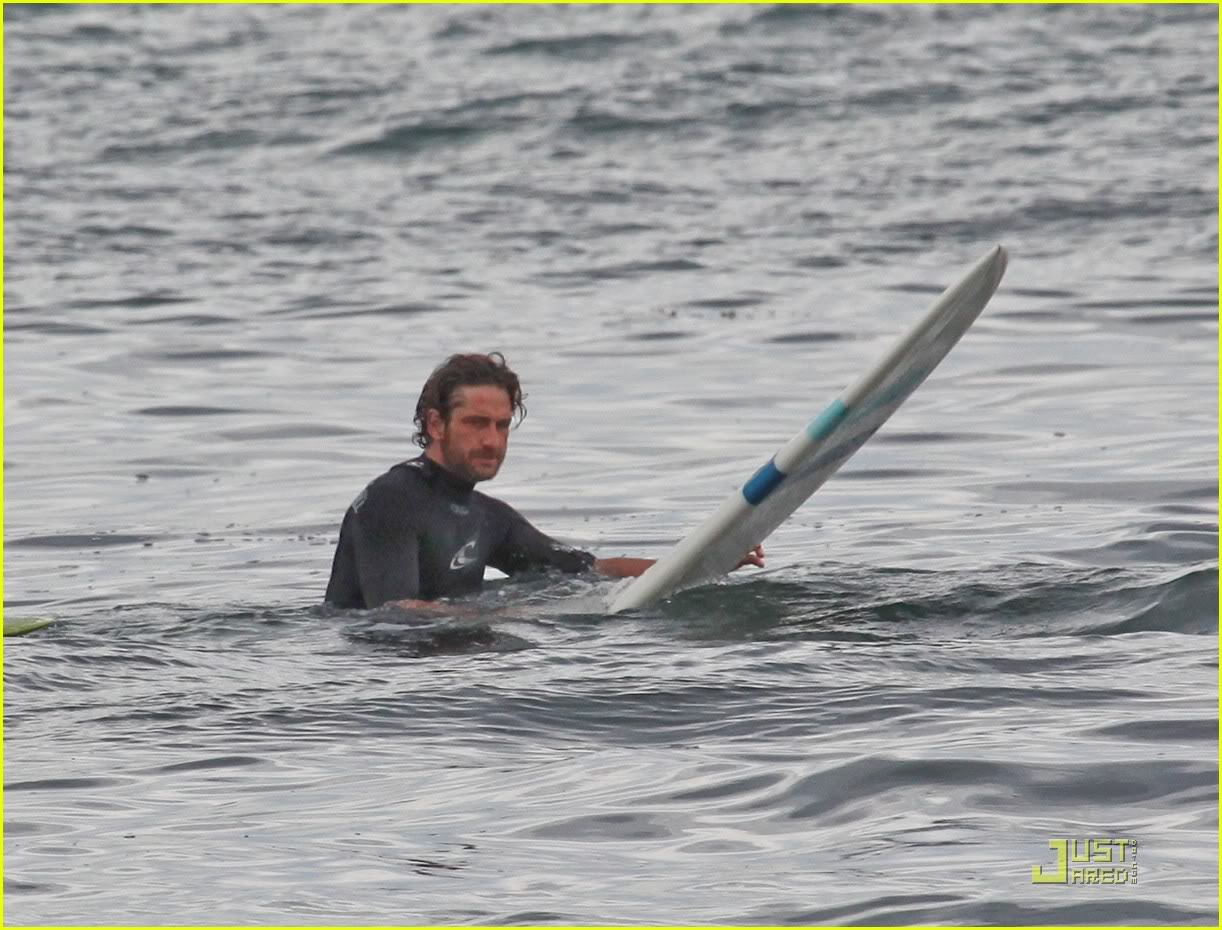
(238, 238)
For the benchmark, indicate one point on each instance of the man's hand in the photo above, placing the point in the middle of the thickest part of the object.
(754, 557)
(427, 606)
(631, 568)
(623, 567)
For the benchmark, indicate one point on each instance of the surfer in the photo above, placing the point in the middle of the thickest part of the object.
(421, 531)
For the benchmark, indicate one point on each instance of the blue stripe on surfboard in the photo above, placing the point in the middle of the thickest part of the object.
(763, 483)
(769, 477)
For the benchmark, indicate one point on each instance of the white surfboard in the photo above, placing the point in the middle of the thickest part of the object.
(792, 475)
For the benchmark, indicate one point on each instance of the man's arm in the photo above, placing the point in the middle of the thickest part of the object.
(622, 567)
(626, 567)
(411, 604)
(526, 548)
(386, 547)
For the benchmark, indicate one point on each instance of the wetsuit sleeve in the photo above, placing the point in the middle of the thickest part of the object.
(524, 548)
(386, 545)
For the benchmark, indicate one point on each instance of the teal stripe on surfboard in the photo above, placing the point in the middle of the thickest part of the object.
(828, 420)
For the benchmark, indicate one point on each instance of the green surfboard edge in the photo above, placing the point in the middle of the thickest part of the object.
(23, 625)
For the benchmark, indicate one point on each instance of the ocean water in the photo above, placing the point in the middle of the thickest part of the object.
(237, 239)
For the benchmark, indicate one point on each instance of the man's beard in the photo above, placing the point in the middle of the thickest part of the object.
(461, 466)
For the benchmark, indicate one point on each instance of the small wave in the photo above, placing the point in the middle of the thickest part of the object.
(808, 338)
(983, 910)
(323, 237)
(80, 540)
(599, 122)
(908, 96)
(413, 138)
(1030, 600)
(1044, 212)
(135, 301)
(846, 19)
(282, 431)
(852, 784)
(55, 328)
(1078, 109)
(658, 336)
(1057, 492)
(1146, 303)
(17, 887)
(186, 320)
(1047, 293)
(62, 784)
(623, 826)
(625, 270)
(1161, 730)
(926, 437)
(188, 410)
(409, 309)
(412, 638)
(756, 114)
(595, 46)
(209, 355)
(90, 34)
(206, 764)
(125, 231)
(821, 261)
(456, 28)
(209, 141)
(1167, 319)
(1187, 604)
(341, 93)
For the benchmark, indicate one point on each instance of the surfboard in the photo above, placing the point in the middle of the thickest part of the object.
(23, 625)
(804, 463)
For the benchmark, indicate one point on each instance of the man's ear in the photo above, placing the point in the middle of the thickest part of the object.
(434, 425)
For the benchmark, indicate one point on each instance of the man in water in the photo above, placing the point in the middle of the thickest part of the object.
(421, 531)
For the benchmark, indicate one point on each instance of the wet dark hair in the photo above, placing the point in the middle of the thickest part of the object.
(464, 371)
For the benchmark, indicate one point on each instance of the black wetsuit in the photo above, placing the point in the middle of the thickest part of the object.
(420, 532)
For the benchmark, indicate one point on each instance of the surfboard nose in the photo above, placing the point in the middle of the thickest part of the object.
(1002, 258)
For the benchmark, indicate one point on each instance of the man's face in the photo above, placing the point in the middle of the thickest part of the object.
(473, 442)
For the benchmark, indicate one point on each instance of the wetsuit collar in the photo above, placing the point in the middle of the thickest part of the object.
(446, 478)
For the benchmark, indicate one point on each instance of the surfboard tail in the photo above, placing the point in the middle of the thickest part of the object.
(664, 575)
